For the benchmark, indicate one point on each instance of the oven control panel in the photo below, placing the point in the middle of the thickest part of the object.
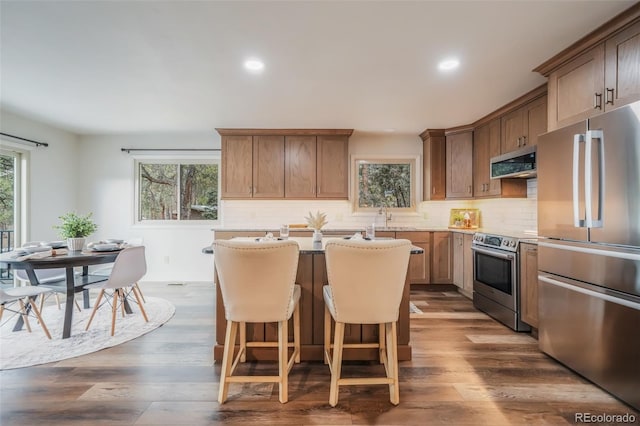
(495, 241)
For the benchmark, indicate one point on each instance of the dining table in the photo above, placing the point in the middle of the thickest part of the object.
(72, 284)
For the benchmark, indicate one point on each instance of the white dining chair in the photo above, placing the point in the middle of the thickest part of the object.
(257, 282)
(105, 270)
(130, 266)
(46, 276)
(22, 296)
(366, 283)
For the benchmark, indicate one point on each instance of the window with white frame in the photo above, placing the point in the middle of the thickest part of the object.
(385, 182)
(180, 190)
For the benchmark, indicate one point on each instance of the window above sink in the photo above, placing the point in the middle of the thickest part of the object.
(384, 181)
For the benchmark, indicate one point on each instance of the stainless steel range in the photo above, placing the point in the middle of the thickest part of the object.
(496, 283)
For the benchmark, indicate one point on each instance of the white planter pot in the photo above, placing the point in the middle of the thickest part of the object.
(317, 236)
(75, 244)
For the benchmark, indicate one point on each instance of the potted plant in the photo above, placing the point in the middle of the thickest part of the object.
(316, 222)
(75, 229)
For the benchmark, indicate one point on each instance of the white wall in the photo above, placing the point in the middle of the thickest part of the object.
(52, 174)
(107, 189)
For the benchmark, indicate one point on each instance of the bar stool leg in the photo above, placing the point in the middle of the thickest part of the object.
(327, 335)
(392, 362)
(381, 342)
(296, 332)
(283, 371)
(227, 360)
(337, 363)
(243, 342)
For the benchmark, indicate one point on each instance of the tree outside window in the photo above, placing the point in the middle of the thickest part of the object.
(383, 182)
(177, 191)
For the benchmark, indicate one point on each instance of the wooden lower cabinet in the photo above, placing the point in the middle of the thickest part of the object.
(463, 263)
(441, 258)
(467, 287)
(420, 264)
(529, 283)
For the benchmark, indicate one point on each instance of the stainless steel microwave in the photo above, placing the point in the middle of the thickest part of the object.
(515, 164)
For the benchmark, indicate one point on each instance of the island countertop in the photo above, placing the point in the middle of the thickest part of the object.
(307, 246)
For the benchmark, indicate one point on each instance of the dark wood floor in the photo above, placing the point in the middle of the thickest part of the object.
(466, 369)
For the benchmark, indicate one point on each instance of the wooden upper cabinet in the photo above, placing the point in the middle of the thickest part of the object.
(536, 120)
(513, 127)
(333, 167)
(521, 127)
(434, 162)
(237, 166)
(268, 166)
(576, 89)
(300, 166)
(597, 73)
(486, 144)
(285, 163)
(460, 164)
(622, 67)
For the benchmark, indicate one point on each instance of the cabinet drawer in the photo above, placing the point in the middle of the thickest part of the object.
(414, 236)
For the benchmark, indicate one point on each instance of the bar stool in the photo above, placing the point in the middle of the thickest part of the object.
(366, 282)
(257, 282)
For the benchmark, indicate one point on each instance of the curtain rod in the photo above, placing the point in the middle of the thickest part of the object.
(128, 150)
(24, 139)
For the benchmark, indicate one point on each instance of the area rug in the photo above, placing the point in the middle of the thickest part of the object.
(23, 349)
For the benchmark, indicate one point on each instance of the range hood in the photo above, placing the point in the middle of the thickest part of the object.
(515, 164)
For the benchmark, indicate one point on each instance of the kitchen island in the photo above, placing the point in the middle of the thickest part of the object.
(312, 275)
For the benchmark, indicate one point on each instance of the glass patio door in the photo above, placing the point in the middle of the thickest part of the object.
(9, 204)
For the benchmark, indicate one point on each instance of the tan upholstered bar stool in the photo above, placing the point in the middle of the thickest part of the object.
(257, 281)
(366, 282)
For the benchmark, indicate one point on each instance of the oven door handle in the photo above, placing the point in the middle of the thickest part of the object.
(508, 256)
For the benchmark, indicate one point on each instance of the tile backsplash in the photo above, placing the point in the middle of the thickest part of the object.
(506, 214)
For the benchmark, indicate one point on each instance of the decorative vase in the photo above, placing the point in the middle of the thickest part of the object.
(317, 236)
(75, 244)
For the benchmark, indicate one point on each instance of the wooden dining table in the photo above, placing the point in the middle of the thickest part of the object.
(72, 284)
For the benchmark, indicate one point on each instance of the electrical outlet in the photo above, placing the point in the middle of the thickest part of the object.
(166, 260)
(425, 215)
(339, 216)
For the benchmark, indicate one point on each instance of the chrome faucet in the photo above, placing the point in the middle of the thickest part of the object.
(387, 214)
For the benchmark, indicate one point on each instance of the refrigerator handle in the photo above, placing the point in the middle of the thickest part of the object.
(588, 178)
(577, 222)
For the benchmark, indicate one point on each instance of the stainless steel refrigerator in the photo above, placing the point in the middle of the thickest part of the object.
(589, 251)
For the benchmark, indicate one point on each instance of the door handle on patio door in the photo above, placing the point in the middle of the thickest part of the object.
(577, 140)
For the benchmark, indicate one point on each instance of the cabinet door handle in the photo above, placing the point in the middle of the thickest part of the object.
(469, 190)
(524, 140)
(518, 142)
(433, 190)
(609, 100)
(250, 190)
(597, 101)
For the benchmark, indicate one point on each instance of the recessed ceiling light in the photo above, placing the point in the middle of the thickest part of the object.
(254, 65)
(448, 64)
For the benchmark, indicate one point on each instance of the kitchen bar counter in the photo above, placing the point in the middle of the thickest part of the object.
(311, 277)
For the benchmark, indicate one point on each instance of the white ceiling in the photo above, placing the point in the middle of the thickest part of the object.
(96, 67)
